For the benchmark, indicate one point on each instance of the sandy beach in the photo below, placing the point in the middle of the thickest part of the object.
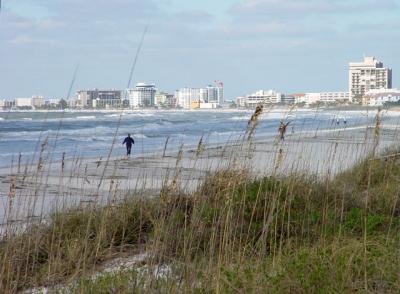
(31, 193)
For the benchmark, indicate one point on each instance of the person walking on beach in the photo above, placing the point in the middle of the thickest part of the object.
(129, 142)
(282, 129)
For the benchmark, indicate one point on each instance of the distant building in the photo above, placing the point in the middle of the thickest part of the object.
(8, 104)
(162, 99)
(312, 98)
(98, 99)
(190, 98)
(209, 105)
(380, 97)
(142, 96)
(335, 97)
(37, 101)
(2, 103)
(299, 98)
(367, 75)
(241, 101)
(215, 94)
(326, 98)
(23, 102)
(52, 103)
(288, 99)
(186, 96)
(261, 97)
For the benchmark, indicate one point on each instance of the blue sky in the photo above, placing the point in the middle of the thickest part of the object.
(287, 45)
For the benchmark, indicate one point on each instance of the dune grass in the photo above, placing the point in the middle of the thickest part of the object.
(235, 233)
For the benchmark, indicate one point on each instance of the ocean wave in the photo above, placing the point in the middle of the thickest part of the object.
(151, 126)
(227, 133)
(86, 117)
(138, 114)
(139, 136)
(239, 118)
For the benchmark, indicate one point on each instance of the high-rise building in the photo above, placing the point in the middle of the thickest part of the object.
(194, 97)
(215, 94)
(367, 75)
(142, 96)
(186, 96)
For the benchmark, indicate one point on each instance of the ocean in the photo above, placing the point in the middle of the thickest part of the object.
(90, 134)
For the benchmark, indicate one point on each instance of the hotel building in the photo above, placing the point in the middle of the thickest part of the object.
(367, 75)
(98, 99)
(142, 96)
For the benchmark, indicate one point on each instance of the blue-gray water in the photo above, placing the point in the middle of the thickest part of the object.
(90, 134)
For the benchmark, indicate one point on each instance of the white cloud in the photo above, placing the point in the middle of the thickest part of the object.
(303, 8)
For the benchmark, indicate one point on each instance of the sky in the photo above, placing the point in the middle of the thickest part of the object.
(286, 45)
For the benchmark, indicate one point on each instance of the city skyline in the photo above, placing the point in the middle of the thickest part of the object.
(246, 44)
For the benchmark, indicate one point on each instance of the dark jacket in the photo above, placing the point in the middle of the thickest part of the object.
(129, 141)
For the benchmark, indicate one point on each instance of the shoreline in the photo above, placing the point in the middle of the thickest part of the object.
(84, 181)
(270, 107)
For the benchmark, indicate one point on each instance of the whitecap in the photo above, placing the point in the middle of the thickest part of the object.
(86, 117)
(239, 118)
(140, 136)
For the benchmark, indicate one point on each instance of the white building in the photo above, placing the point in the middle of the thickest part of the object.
(335, 97)
(2, 103)
(186, 96)
(208, 105)
(326, 97)
(142, 96)
(82, 99)
(23, 102)
(37, 101)
(193, 97)
(311, 98)
(160, 98)
(379, 97)
(367, 75)
(163, 99)
(241, 101)
(262, 97)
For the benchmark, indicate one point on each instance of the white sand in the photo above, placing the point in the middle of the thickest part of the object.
(90, 181)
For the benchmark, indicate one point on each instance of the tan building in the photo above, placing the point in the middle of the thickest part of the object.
(367, 75)
(23, 102)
